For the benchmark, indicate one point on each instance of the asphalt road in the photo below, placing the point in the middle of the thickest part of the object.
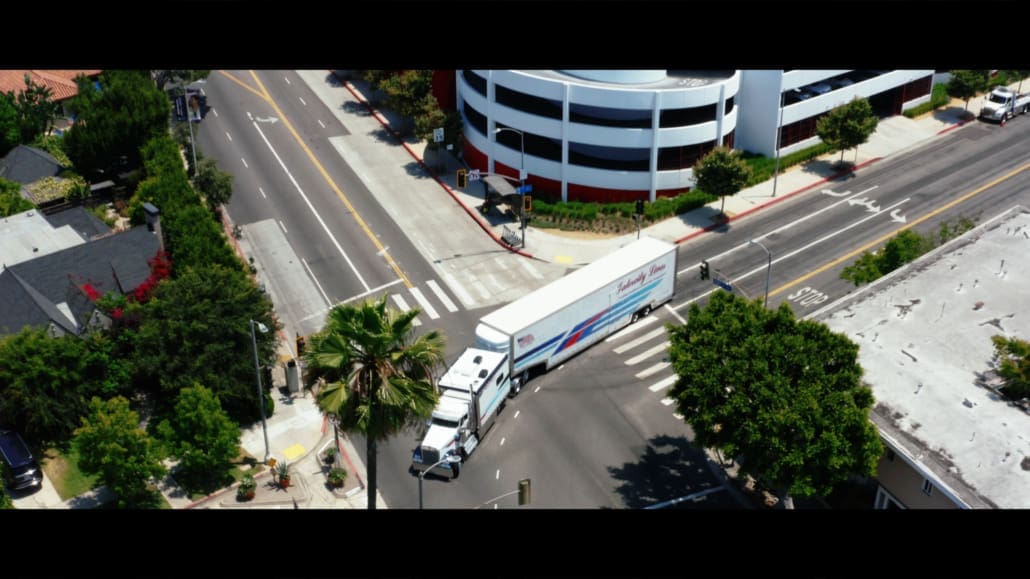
(598, 432)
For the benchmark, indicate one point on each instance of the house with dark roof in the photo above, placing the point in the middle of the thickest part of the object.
(53, 290)
(26, 165)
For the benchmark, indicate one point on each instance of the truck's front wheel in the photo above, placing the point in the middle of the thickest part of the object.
(455, 470)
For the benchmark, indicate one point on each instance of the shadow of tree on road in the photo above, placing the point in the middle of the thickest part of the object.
(670, 467)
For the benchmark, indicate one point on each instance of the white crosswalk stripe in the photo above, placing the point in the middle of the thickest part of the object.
(529, 268)
(447, 303)
(403, 305)
(639, 325)
(647, 353)
(653, 369)
(640, 340)
(667, 401)
(424, 303)
(669, 381)
(457, 288)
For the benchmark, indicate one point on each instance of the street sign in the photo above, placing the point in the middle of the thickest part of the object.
(722, 284)
(438, 135)
(474, 175)
(524, 188)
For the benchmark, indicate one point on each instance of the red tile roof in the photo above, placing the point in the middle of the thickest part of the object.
(61, 82)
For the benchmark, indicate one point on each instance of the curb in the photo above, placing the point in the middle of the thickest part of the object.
(386, 125)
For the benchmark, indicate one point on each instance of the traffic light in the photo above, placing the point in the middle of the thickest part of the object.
(640, 207)
(462, 178)
(524, 492)
(704, 270)
(527, 203)
(300, 345)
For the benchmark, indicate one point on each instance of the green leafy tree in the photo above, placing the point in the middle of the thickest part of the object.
(11, 201)
(784, 396)
(722, 173)
(377, 375)
(212, 183)
(201, 436)
(10, 134)
(36, 110)
(903, 248)
(964, 84)
(114, 448)
(1013, 356)
(407, 91)
(847, 126)
(42, 381)
(115, 122)
(196, 329)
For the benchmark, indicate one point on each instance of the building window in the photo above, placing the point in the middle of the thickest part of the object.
(927, 487)
(890, 455)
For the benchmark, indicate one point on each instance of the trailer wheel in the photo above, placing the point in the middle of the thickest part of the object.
(455, 470)
(517, 386)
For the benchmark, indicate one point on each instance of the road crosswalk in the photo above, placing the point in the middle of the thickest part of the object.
(645, 346)
(422, 300)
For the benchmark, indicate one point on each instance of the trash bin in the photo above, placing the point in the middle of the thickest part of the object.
(292, 379)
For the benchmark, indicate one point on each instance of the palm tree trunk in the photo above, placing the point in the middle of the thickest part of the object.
(370, 450)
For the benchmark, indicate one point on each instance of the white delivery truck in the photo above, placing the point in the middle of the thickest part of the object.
(472, 390)
(548, 326)
(537, 332)
(1003, 103)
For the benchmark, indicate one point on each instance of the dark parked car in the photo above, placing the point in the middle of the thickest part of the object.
(20, 468)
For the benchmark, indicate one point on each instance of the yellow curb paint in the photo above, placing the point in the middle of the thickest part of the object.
(562, 259)
(294, 451)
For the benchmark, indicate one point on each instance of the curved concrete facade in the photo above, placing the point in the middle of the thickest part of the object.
(596, 135)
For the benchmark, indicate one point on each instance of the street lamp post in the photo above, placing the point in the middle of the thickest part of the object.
(452, 458)
(257, 369)
(768, 269)
(522, 178)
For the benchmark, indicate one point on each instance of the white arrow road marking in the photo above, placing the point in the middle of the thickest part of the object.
(897, 216)
(745, 244)
(271, 120)
(831, 193)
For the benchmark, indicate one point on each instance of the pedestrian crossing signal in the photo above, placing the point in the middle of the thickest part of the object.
(704, 270)
(527, 203)
(462, 178)
(640, 207)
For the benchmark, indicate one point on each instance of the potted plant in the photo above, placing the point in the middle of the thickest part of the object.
(337, 477)
(330, 455)
(282, 471)
(247, 488)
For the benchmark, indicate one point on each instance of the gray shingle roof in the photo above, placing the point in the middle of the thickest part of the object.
(31, 290)
(25, 165)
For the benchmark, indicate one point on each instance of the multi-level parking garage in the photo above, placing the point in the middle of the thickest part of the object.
(620, 135)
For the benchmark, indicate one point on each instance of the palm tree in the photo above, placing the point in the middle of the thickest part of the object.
(377, 375)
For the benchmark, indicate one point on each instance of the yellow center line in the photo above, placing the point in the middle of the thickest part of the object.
(887, 236)
(244, 85)
(379, 246)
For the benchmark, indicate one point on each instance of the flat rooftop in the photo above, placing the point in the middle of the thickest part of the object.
(924, 335)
